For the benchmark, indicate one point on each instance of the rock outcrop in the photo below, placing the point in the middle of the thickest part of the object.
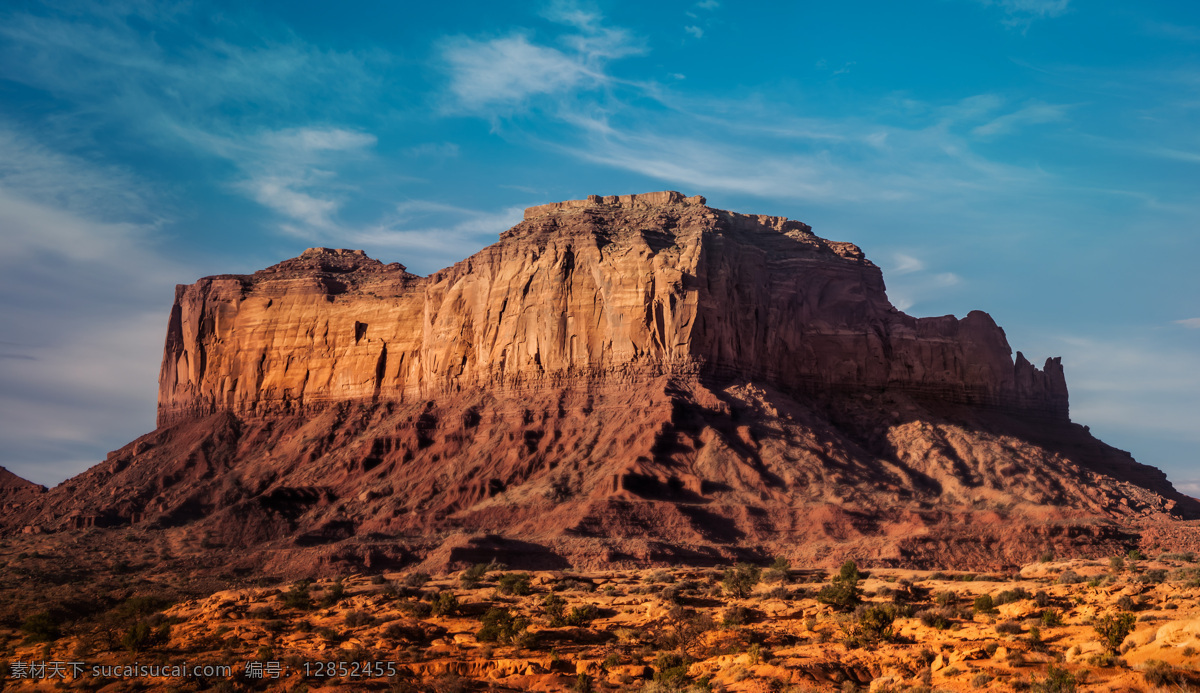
(636, 286)
(630, 379)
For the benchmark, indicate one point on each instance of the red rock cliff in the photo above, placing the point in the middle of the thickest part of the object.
(626, 287)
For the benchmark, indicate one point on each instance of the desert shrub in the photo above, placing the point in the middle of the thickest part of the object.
(500, 625)
(1070, 577)
(737, 616)
(142, 636)
(945, 598)
(1041, 599)
(1009, 628)
(416, 580)
(1058, 680)
(981, 680)
(471, 577)
(778, 592)
(1046, 557)
(670, 670)
(581, 615)
(779, 571)
(514, 583)
(1011, 596)
(739, 581)
(583, 684)
(554, 608)
(1052, 617)
(984, 604)
(659, 576)
(444, 604)
(356, 618)
(843, 591)
(1113, 629)
(1116, 562)
(335, 594)
(41, 627)
(1159, 673)
(1153, 577)
(871, 625)
(1135, 555)
(298, 597)
(417, 609)
(261, 612)
(934, 618)
(1126, 603)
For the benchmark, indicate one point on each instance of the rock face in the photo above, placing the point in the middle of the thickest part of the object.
(619, 379)
(636, 286)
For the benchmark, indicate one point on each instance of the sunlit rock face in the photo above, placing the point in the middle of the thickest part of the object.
(629, 287)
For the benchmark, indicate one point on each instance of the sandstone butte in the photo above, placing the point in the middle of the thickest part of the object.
(627, 380)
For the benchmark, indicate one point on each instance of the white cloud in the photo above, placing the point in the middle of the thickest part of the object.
(81, 354)
(503, 73)
(1023, 12)
(1190, 323)
(1034, 114)
(909, 284)
(695, 31)
(436, 234)
(904, 264)
(1133, 384)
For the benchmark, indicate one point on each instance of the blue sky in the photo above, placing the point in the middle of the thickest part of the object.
(1038, 159)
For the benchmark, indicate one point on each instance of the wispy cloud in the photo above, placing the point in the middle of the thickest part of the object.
(1190, 323)
(1022, 12)
(910, 284)
(437, 234)
(501, 74)
(1033, 114)
(80, 378)
(695, 31)
(1133, 383)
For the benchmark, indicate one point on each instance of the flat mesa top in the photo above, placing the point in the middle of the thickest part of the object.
(640, 201)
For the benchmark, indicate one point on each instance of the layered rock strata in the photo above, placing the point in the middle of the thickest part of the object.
(635, 286)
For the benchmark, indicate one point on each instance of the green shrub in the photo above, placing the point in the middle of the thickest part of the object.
(1116, 562)
(934, 618)
(670, 670)
(872, 624)
(297, 597)
(1011, 596)
(737, 616)
(142, 636)
(739, 581)
(984, 604)
(416, 579)
(337, 591)
(500, 625)
(1052, 617)
(41, 627)
(1113, 629)
(554, 608)
(1160, 674)
(843, 591)
(1057, 680)
(444, 604)
(417, 609)
(514, 583)
(1009, 628)
(581, 615)
(471, 577)
(1041, 599)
